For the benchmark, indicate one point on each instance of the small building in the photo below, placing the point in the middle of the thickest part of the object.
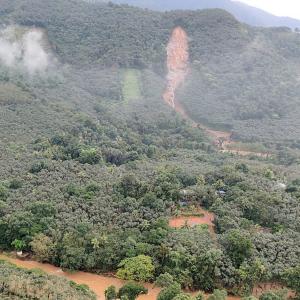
(221, 193)
(280, 186)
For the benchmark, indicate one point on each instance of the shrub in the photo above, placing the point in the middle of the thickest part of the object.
(110, 293)
(218, 295)
(15, 184)
(38, 167)
(132, 290)
(138, 268)
(170, 292)
(164, 280)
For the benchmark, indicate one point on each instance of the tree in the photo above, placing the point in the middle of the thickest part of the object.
(205, 269)
(19, 245)
(164, 280)
(43, 247)
(238, 246)
(199, 296)
(269, 173)
(110, 293)
(201, 180)
(3, 192)
(291, 278)
(138, 268)
(183, 296)
(132, 290)
(90, 156)
(15, 184)
(38, 167)
(218, 295)
(170, 292)
(271, 295)
(129, 186)
(250, 273)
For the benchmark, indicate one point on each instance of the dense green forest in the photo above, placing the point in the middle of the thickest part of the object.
(93, 163)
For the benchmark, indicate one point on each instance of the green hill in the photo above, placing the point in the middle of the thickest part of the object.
(240, 76)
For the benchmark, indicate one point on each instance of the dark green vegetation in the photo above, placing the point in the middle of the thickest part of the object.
(16, 283)
(130, 291)
(88, 179)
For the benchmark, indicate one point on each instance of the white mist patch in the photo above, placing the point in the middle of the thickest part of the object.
(23, 50)
(9, 52)
(35, 57)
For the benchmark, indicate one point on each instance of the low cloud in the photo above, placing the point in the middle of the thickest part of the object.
(23, 50)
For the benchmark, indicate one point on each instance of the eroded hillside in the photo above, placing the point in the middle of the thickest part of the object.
(177, 63)
(178, 68)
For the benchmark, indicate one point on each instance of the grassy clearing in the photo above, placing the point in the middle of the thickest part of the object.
(253, 147)
(131, 84)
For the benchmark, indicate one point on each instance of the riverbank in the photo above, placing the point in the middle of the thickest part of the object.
(97, 283)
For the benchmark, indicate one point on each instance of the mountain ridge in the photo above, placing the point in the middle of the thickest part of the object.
(243, 12)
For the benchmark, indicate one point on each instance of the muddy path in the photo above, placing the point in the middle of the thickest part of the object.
(178, 69)
(201, 217)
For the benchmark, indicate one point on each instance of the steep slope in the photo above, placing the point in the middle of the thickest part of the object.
(239, 77)
(241, 11)
(178, 67)
(177, 63)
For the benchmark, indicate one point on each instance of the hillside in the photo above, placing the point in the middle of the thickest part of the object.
(94, 164)
(231, 64)
(244, 13)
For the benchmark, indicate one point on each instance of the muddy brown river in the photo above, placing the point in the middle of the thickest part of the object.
(97, 283)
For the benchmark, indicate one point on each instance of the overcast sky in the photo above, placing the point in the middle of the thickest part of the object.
(290, 8)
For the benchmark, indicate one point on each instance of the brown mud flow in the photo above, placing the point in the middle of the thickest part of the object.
(206, 218)
(99, 283)
(177, 62)
(178, 68)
